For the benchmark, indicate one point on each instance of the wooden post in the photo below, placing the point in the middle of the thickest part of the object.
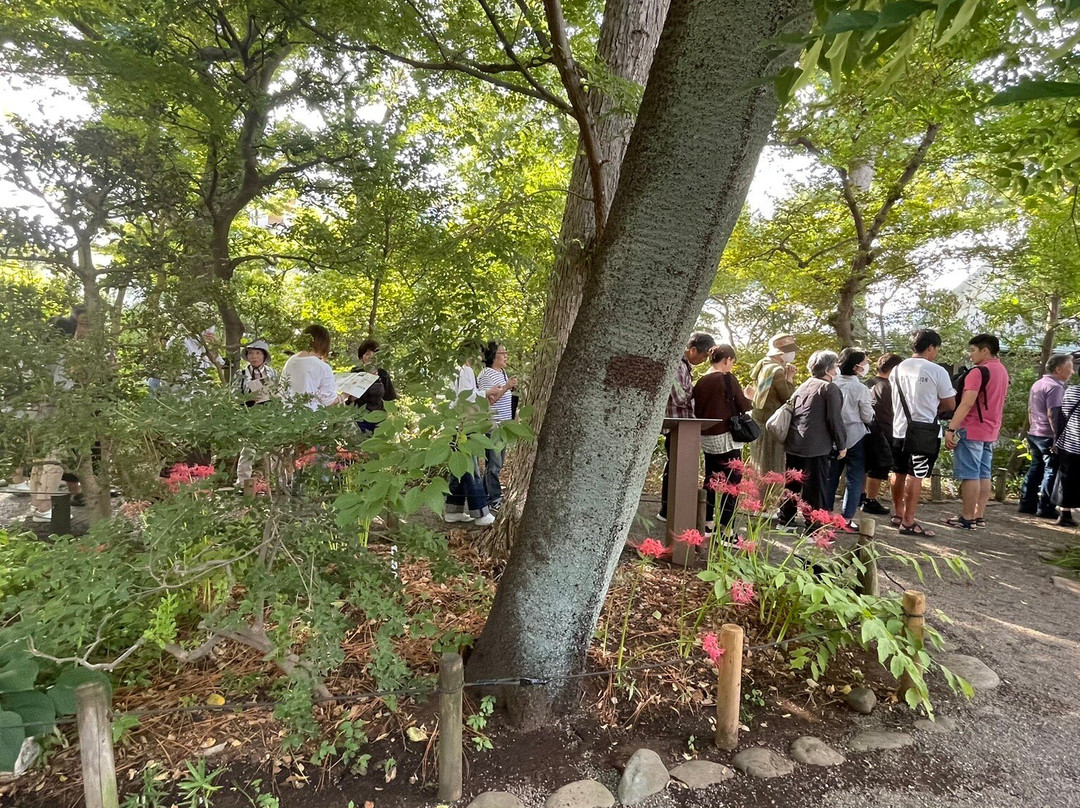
(702, 502)
(914, 603)
(729, 686)
(935, 487)
(451, 682)
(1001, 481)
(95, 745)
(249, 487)
(868, 578)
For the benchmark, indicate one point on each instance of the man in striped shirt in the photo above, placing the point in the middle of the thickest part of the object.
(681, 398)
(496, 386)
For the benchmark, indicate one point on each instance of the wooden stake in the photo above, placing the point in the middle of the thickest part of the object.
(914, 603)
(702, 503)
(729, 686)
(868, 578)
(451, 682)
(1001, 481)
(935, 487)
(95, 745)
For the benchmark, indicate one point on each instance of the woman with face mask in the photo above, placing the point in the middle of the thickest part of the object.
(857, 414)
(773, 382)
(816, 435)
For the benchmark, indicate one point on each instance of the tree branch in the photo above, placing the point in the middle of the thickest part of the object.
(575, 91)
(910, 169)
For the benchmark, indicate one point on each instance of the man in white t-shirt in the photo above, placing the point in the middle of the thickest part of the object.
(926, 389)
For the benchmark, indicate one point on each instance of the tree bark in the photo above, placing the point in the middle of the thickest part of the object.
(687, 169)
(628, 37)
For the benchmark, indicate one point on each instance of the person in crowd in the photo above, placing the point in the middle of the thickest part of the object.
(680, 402)
(1066, 491)
(496, 386)
(1045, 395)
(255, 383)
(921, 389)
(974, 427)
(879, 456)
(307, 377)
(380, 390)
(718, 395)
(817, 431)
(467, 500)
(857, 413)
(772, 383)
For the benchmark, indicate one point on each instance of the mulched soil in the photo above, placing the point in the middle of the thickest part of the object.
(670, 712)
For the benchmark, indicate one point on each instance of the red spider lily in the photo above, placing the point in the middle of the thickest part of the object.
(773, 478)
(742, 592)
(820, 516)
(795, 476)
(752, 505)
(722, 486)
(691, 537)
(306, 459)
(743, 543)
(261, 487)
(748, 488)
(736, 465)
(711, 647)
(182, 474)
(824, 539)
(651, 548)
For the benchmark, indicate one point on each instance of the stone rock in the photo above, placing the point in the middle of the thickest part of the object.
(1068, 584)
(942, 724)
(874, 740)
(757, 761)
(645, 774)
(972, 669)
(496, 799)
(815, 752)
(701, 773)
(581, 794)
(861, 700)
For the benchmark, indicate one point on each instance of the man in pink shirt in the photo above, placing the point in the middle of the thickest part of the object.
(974, 428)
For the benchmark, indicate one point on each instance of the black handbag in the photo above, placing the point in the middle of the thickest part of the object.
(921, 438)
(744, 429)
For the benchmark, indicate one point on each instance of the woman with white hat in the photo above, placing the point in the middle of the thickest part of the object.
(255, 383)
(773, 382)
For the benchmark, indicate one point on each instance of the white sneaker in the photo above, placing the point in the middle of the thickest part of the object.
(484, 521)
(41, 516)
(457, 517)
(661, 518)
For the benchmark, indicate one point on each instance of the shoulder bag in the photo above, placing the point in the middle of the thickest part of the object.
(779, 423)
(744, 429)
(921, 438)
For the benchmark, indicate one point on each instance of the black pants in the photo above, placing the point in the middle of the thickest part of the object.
(717, 464)
(812, 490)
(663, 483)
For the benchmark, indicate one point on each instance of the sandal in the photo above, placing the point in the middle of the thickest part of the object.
(961, 523)
(896, 520)
(915, 529)
(980, 522)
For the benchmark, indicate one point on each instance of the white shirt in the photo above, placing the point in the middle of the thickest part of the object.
(465, 384)
(310, 378)
(924, 384)
(858, 409)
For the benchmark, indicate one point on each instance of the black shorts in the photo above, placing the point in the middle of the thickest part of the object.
(920, 466)
(879, 454)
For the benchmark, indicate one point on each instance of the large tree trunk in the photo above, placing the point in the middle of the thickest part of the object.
(687, 169)
(843, 319)
(628, 37)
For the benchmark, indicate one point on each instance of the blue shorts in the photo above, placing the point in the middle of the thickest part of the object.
(972, 459)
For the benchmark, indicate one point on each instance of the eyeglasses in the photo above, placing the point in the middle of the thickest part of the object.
(502, 353)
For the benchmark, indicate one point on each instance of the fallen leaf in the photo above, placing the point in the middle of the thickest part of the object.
(416, 734)
(215, 700)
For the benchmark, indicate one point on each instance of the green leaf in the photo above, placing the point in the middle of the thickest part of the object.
(960, 21)
(12, 736)
(1036, 90)
(63, 692)
(35, 708)
(899, 12)
(19, 674)
(414, 499)
(850, 21)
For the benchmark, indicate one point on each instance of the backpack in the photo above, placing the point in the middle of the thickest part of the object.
(958, 385)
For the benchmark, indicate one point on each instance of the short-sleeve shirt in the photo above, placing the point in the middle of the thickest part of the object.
(1045, 394)
(489, 377)
(465, 384)
(983, 422)
(923, 385)
(308, 378)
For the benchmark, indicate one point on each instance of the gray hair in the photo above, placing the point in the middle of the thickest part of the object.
(821, 362)
(1054, 362)
(701, 342)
